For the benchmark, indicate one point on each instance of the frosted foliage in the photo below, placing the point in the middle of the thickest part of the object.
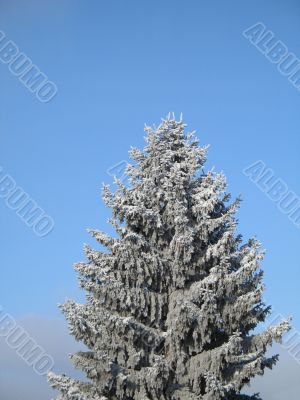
(173, 300)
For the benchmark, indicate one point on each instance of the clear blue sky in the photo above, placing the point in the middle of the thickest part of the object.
(118, 65)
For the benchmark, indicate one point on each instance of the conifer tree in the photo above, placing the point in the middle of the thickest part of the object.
(173, 301)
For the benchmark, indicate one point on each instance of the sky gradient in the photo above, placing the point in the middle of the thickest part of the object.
(118, 65)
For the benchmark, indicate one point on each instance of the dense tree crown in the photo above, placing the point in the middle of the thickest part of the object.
(173, 300)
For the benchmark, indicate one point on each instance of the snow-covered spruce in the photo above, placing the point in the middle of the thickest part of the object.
(172, 303)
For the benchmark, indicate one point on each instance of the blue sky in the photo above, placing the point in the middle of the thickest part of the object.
(118, 65)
